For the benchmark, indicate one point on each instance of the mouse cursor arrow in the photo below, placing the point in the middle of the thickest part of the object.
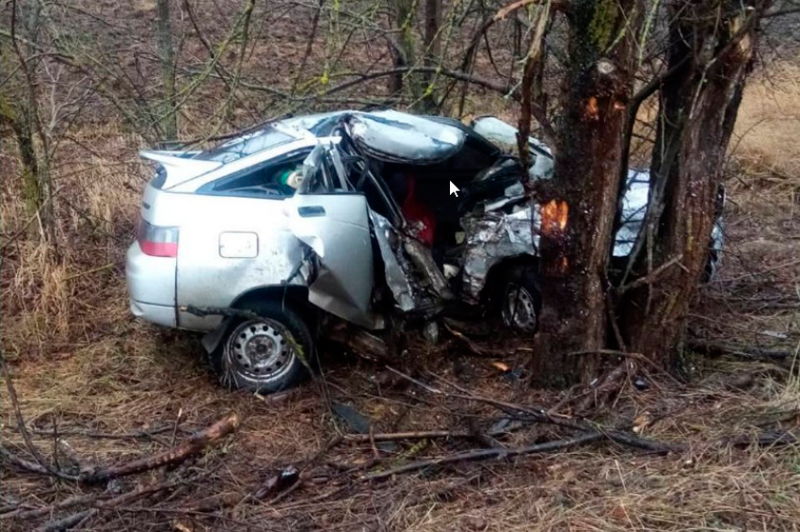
(453, 189)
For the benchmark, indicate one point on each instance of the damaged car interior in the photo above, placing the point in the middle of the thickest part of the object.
(408, 198)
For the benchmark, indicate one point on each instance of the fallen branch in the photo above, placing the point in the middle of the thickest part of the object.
(139, 434)
(606, 385)
(472, 346)
(74, 519)
(67, 522)
(416, 435)
(397, 436)
(32, 467)
(651, 277)
(634, 356)
(485, 454)
(766, 439)
(719, 349)
(41, 466)
(196, 443)
(631, 440)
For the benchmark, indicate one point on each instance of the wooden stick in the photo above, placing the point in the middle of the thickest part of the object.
(411, 435)
(636, 356)
(649, 278)
(485, 454)
(196, 443)
(32, 466)
(44, 467)
(67, 522)
(712, 348)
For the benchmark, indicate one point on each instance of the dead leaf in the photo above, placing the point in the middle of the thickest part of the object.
(619, 512)
(181, 527)
(641, 422)
(501, 366)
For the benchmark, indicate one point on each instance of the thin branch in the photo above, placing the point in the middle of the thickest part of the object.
(651, 277)
(518, 4)
(485, 454)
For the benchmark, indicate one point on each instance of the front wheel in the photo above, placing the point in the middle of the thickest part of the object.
(520, 300)
(267, 354)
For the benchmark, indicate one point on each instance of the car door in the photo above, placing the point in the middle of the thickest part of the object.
(333, 220)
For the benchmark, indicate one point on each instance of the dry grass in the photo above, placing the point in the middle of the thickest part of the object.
(768, 126)
(83, 363)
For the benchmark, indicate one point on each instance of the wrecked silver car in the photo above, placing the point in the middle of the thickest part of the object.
(348, 217)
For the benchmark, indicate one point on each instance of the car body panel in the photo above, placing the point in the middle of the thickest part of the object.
(336, 227)
(206, 277)
(243, 164)
(400, 137)
(151, 285)
(320, 236)
(179, 168)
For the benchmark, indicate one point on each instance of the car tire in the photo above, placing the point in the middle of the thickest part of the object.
(265, 355)
(520, 299)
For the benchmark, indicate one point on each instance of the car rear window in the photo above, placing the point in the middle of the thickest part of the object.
(245, 145)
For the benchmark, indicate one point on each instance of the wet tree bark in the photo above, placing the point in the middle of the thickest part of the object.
(403, 48)
(166, 55)
(698, 109)
(433, 23)
(23, 116)
(579, 203)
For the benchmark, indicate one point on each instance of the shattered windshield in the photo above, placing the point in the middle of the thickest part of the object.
(399, 137)
(245, 145)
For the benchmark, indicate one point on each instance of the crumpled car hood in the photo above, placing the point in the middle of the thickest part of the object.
(399, 137)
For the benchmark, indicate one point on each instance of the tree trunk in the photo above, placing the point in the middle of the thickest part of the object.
(23, 115)
(698, 110)
(403, 47)
(579, 203)
(433, 22)
(166, 54)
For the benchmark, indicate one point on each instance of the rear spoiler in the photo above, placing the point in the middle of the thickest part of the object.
(179, 166)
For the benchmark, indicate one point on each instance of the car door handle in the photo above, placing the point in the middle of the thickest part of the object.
(311, 211)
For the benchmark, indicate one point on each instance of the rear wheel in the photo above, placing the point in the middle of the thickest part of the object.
(520, 299)
(265, 354)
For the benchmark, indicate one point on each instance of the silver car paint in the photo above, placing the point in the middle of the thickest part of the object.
(396, 276)
(204, 277)
(336, 227)
(492, 238)
(231, 245)
(400, 137)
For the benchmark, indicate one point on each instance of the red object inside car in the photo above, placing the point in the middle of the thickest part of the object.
(416, 211)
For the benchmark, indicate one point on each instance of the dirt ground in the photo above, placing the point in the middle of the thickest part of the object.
(116, 389)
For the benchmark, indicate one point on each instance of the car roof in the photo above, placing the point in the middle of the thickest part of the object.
(388, 135)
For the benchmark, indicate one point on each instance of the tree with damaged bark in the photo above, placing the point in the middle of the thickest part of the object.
(708, 57)
(579, 204)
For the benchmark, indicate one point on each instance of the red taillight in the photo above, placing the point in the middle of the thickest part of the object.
(158, 241)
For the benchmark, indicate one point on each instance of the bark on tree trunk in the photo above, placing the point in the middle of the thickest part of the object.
(433, 21)
(579, 203)
(23, 114)
(166, 54)
(699, 105)
(403, 49)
